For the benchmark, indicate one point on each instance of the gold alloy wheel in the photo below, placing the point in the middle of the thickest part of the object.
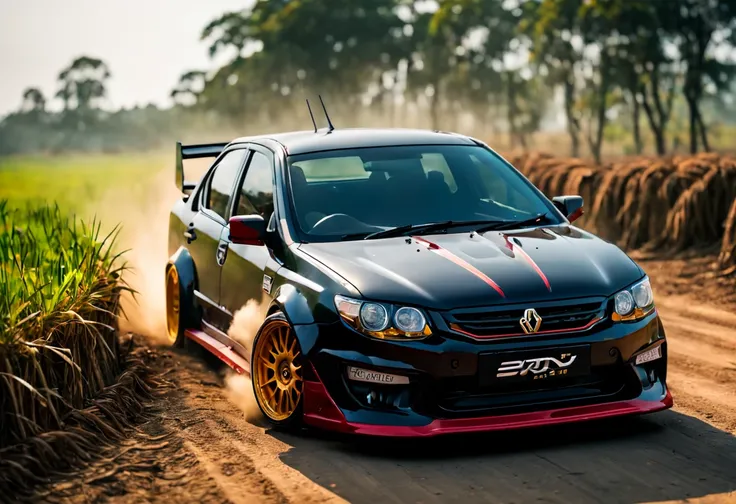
(277, 374)
(172, 303)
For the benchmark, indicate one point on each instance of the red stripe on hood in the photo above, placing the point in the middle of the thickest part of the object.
(460, 262)
(529, 259)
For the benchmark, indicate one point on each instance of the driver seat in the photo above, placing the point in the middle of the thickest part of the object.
(304, 200)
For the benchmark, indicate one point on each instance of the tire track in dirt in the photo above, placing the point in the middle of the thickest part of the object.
(215, 455)
(702, 353)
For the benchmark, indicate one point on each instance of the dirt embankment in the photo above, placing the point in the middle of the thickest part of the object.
(198, 445)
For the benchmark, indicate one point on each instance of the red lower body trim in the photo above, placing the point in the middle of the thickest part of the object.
(320, 411)
(222, 352)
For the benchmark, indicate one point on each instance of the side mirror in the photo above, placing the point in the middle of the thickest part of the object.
(570, 206)
(247, 229)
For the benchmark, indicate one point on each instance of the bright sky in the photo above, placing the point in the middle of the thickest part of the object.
(147, 44)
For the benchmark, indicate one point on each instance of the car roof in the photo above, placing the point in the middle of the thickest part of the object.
(303, 142)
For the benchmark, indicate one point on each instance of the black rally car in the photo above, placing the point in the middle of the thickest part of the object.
(412, 283)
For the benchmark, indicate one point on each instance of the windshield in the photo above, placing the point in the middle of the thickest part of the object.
(343, 193)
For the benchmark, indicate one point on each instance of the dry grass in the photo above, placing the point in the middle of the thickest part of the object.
(66, 388)
(59, 292)
(727, 257)
(660, 205)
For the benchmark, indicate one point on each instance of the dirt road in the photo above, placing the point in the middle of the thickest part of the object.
(198, 447)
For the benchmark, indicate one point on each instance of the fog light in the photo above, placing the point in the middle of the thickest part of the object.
(648, 356)
(364, 375)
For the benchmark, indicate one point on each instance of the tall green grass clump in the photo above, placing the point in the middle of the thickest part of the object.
(60, 284)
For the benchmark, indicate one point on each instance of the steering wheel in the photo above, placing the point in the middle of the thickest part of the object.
(339, 223)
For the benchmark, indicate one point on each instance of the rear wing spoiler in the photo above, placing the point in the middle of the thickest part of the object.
(193, 152)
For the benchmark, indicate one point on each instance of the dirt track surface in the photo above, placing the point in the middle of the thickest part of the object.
(199, 447)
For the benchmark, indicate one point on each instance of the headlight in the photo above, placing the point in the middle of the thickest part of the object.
(633, 303)
(643, 294)
(374, 316)
(624, 303)
(409, 320)
(375, 319)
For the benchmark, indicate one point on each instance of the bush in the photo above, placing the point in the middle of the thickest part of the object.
(662, 204)
(60, 284)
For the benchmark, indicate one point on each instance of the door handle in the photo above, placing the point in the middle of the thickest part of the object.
(190, 235)
(221, 253)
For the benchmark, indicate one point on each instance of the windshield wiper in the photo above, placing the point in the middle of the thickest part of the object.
(498, 226)
(425, 228)
(355, 236)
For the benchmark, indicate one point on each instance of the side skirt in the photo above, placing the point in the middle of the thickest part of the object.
(223, 352)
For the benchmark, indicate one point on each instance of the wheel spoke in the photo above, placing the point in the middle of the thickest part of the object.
(291, 400)
(291, 347)
(276, 351)
(282, 340)
(270, 381)
(268, 363)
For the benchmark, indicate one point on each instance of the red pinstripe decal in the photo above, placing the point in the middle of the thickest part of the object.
(460, 262)
(531, 262)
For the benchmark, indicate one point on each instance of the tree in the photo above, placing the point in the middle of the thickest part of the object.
(33, 101)
(329, 46)
(699, 26)
(82, 84)
(557, 52)
(480, 35)
(190, 86)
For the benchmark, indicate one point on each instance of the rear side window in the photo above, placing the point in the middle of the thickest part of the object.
(222, 182)
(256, 194)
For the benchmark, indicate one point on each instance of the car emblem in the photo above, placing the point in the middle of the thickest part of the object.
(531, 321)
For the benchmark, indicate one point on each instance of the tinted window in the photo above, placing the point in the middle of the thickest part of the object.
(256, 194)
(397, 186)
(328, 169)
(222, 182)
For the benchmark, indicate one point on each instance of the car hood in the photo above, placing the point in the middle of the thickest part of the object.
(462, 269)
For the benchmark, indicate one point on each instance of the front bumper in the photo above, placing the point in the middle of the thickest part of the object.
(445, 394)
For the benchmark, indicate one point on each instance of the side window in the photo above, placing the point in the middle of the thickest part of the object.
(256, 194)
(222, 182)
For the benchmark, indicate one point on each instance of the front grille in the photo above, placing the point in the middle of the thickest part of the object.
(605, 383)
(500, 321)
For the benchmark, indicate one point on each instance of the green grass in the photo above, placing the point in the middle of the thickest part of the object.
(60, 280)
(59, 292)
(77, 182)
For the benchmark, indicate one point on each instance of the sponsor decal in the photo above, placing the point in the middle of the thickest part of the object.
(542, 367)
(267, 284)
(650, 355)
(531, 321)
(364, 375)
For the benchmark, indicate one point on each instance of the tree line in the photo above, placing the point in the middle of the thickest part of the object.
(499, 65)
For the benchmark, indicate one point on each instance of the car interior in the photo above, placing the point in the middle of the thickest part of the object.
(395, 192)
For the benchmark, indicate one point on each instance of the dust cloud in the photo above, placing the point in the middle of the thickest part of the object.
(142, 211)
(246, 322)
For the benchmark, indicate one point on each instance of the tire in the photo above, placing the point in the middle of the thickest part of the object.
(277, 373)
(176, 314)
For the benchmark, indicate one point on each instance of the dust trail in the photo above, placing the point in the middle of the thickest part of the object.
(142, 209)
(246, 322)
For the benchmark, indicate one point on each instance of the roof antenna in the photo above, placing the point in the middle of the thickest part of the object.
(329, 123)
(312, 116)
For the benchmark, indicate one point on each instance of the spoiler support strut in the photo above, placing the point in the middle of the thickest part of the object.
(197, 151)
